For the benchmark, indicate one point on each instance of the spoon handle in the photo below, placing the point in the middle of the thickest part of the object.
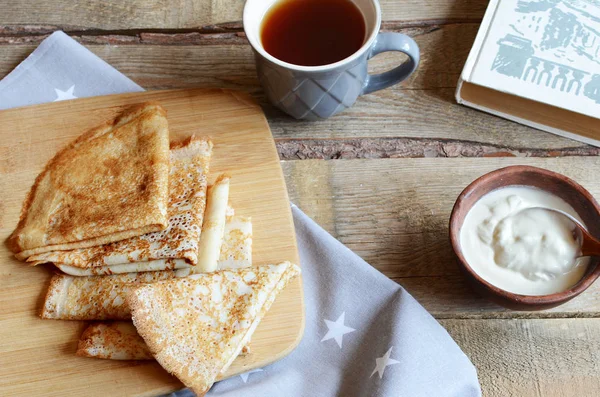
(590, 246)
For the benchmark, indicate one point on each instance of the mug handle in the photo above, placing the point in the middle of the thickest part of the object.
(392, 42)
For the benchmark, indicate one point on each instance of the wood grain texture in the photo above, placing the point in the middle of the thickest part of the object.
(182, 14)
(394, 213)
(422, 111)
(243, 148)
(550, 358)
(115, 14)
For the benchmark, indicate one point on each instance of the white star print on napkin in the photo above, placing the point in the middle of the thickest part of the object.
(335, 280)
(382, 362)
(64, 95)
(337, 330)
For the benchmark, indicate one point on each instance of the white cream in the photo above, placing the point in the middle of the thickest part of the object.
(528, 253)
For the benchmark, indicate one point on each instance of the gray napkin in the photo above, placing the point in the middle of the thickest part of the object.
(61, 68)
(365, 335)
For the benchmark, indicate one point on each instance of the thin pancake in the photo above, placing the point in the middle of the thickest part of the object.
(187, 202)
(196, 326)
(95, 298)
(236, 247)
(103, 297)
(136, 267)
(236, 251)
(117, 340)
(108, 185)
(214, 225)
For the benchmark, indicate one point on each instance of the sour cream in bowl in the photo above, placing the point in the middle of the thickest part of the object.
(524, 252)
(524, 259)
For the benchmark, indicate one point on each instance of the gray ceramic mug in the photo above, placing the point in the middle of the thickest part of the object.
(318, 92)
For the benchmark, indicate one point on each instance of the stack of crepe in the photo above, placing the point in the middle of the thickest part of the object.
(130, 221)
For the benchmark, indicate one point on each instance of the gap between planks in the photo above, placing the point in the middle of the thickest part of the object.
(225, 33)
(381, 148)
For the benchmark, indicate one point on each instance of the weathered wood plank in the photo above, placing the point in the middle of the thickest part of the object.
(204, 59)
(187, 14)
(449, 296)
(552, 358)
(422, 110)
(394, 213)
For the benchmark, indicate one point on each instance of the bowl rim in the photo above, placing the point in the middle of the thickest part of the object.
(534, 300)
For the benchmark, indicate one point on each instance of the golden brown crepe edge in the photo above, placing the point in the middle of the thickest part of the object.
(101, 240)
(14, 242)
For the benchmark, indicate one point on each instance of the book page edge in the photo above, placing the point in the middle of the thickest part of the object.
(529, 123)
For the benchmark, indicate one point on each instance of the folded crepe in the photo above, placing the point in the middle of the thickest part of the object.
(117, 340)
(173, 247)
(236, 248)
(96, 297)
(103, 297)
(196, 326)
(108, 185)
(236, 251)
(242, 225)
(214, 225)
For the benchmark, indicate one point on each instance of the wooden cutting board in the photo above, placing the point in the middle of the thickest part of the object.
(37, 356)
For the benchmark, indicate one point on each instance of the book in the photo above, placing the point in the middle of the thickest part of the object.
(537, 62)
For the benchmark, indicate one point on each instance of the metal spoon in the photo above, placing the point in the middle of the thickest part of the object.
(589, 246)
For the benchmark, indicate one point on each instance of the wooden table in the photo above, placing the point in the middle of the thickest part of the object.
(382, 176)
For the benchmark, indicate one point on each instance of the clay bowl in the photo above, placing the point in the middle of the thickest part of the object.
(570, 191)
